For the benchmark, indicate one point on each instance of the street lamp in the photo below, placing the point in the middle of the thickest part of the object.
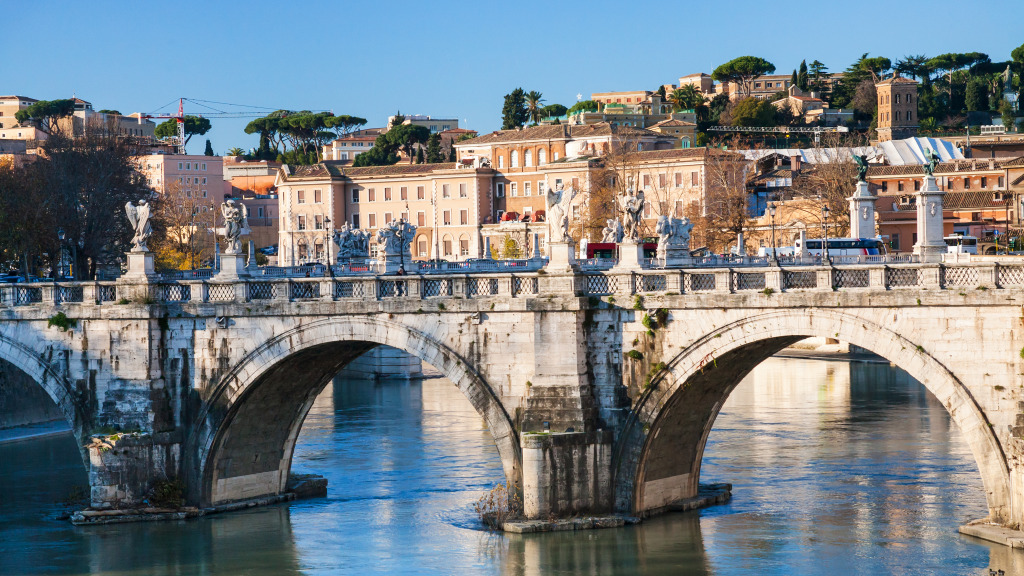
(824, 228)
(775, 256)
(60, 250)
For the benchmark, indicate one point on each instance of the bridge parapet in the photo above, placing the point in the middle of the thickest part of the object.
(730, 280)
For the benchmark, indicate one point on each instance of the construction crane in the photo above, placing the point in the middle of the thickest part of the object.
(246, 112)
(816, 130)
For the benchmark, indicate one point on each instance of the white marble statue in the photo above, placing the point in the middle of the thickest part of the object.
(673, 235)
(352, 243)
(632, 205)
(139, 218)
(395, 238)
(236, 224)
(557, 214)
(612, 231)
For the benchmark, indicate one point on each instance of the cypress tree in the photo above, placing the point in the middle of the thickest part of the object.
(801, 76)
(209, 148)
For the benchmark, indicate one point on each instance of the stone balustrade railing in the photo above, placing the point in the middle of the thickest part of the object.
(723, 280)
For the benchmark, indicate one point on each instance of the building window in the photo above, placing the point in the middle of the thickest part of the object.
(500, 190)
(318, 222)
(513, 192)
(917, 185)
(984, 182)
(693, 178)
(542, 156)
(302, 222)
(447, 246)
(421, 247)
(318, 196)
(679, 179)
(647, 180)
(514, 159)
(541, 188)
(885, 186)
(371, 195)
(527, 158)
(446, 191)
(179, 163)
(899, 186)
(464, 246)
(371, 221)
(387, 218)
(403, 193)
(967, 183)
(462, 191)
(419, 193)
(464, 217)
(526, 188)
(447, 218)
(554, 156)
(259, 212)
(662, 180)
(355, 220)
(501, 161)
(300, 197)
(204, 166)
(355, 195)
(421, 219)
(387, 194)
(894, 242)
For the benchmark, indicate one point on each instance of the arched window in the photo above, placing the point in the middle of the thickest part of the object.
(514, 159)
(527, 158)
(542, 156)
(446, 245)
(554, 156)
(463, 246)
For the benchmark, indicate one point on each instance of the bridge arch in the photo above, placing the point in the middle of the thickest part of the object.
(242, 444)
(656, 466)
(31, 356)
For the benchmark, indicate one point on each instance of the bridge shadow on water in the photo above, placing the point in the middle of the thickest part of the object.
(838, 468)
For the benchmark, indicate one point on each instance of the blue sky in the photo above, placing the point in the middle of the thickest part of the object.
(445, 58)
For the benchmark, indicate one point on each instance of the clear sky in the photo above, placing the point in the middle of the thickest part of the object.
(445, 58)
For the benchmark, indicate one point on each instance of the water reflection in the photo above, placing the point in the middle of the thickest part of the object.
(838, 468)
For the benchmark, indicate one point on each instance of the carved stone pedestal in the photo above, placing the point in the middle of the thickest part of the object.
(232, 267)
(560, 257)
(930, 245)
(631, 255)
(140, 266)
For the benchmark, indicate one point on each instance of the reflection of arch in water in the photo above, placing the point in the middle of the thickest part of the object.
(243, 441)
(661, 447)
(26, 353)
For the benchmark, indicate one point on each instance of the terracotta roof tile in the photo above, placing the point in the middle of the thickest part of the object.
(396, 169)
(945, 168)
(968, 199)
(560, 132)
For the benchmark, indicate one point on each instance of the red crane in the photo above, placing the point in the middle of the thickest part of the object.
(180, 117)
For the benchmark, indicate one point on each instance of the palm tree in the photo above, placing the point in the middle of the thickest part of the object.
(236, 151)
(534, 100)
(686, 97)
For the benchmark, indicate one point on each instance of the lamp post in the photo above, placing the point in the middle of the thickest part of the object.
(60, 250)
(824, 227)
(775, 256)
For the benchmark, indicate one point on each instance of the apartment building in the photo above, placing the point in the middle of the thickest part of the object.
(201, 176)
(351, 145)
(435, 125)
(9, 106)
(445, 202)
(83, 120)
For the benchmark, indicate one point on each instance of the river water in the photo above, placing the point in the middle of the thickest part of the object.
(838, 468)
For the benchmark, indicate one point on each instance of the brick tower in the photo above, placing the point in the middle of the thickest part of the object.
(897, 108)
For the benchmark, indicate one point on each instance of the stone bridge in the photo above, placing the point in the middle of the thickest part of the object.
(599, 389)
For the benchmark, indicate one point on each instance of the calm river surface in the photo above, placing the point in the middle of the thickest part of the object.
(838, 468)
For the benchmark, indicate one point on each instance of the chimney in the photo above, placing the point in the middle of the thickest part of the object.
(794, 163)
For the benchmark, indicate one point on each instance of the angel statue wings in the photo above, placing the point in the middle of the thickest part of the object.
(139, 218)
(557, 214)
(236, 223)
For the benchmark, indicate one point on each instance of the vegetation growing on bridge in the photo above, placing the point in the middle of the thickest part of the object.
(60, 320)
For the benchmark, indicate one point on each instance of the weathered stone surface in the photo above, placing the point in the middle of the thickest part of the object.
(217, 385)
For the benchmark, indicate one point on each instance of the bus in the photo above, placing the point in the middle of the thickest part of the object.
(961, 244)
(842, 247)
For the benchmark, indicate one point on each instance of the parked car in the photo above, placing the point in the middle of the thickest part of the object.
(268, 250)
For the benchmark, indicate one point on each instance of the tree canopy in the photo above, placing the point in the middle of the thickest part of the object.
(743, 71)
(304, 132)
(383, 153)
(583, 106)
(749, 112)
(45, 113)
(193, 125)
(534, 109)
(514, 113)
(406, 137)
(552, 110)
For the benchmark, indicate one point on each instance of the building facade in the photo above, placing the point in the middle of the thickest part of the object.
(897, 108)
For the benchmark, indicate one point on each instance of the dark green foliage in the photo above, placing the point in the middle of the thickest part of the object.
(514, 113)
(45, 114)
(434, 154)
(451, 154)
(111, 112)
(801, 77)
(751, 112)
(554, 110)
(793, 81)
(209, 148)
(635, 355)
(383, 153)
(406, 137)
(60, 320)
(419, 156)
(583, 106)
(976, 97)
(743, 70)
(193, 125)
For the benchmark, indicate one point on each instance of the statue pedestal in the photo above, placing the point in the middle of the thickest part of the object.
(930, 246)
(675, 256)
(631, 255)
(232, 267)
(560, 257)
(862, 212)
(140, 266)
(390, 263)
